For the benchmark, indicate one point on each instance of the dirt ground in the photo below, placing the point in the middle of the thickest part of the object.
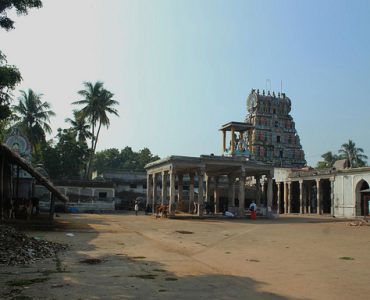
(121, 256)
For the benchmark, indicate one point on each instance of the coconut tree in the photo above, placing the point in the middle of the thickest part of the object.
(79, 127)
(97, 105)
(33, 116)
(354, 154)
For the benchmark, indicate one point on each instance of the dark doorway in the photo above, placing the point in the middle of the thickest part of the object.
(295, 197)
(326, 195)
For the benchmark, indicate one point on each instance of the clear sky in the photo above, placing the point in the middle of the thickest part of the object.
(180, 69)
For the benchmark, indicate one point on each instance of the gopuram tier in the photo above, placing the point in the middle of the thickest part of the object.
(268, 133)
(273, 137)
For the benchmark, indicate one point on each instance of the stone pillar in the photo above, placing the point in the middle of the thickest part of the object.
(171, 209)
(278, 197)
(191, 192)
(289, 204)
(232, 146)
(230, 191)
(147, 189)
(216, 196)
(200, 192)
(164, 188)
(242, 193)
(154, 199)
(269, 193)
(332, 196)
(208, 187)
(258, 191)
(318, 197)
(181, 191)
(301, 196)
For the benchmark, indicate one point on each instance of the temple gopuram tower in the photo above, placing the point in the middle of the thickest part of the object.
(272, 137)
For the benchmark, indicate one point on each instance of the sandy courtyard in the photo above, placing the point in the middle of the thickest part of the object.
(146, 258)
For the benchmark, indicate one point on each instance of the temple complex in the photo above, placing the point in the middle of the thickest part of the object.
(261, 160)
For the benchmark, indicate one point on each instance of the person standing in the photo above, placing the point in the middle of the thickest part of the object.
(253, 210)
(136, 207)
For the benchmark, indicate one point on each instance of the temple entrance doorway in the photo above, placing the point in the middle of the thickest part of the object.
(362, 199)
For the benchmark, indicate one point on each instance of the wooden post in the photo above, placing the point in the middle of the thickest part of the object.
(52, 207)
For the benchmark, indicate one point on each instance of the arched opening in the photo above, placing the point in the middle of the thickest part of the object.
(362, 199)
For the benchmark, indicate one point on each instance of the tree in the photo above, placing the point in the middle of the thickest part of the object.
(21, 7)
(67, 159)
(126, 159)
(79, 127)
(354, 155)
(97, 104)
(33, 117)
(329, 160)
(9, 78)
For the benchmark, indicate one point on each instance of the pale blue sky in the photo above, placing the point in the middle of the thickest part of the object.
(180, 69)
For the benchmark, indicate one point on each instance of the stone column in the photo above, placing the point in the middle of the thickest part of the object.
(171, 209)
(318, 197)
(258, 191)
(164, 188)
(289, 204)
(278, 197)
(216, 196)
(208, 187)
(230, 191)
(332, 196)
(200, 192)
(147, 189)
(232, 146)
(269, 193)
(191, 192)
(181, 191)
(242, 193)
(301, 196)
(154, 178)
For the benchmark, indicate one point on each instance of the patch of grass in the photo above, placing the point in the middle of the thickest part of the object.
(138, 257)
(24, 281)
(159, 270)
(145, 276)
(170, 279)
(346, 258)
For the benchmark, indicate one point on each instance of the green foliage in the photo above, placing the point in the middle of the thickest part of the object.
(21, 7)
(349, 151)
(67, 159)
(126, 159)
(97, 104)
(355, 155)
(9, 78)
(329, 160)
(33, 118)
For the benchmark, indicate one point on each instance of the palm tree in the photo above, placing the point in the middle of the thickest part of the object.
(79, 127)
(98, 103)
(354, 155)
(329, 160)
(33, 117)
